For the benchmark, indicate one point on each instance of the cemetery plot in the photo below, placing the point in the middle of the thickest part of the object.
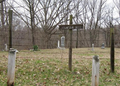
(46, 68)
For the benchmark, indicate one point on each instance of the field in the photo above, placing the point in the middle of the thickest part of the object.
(49, 67)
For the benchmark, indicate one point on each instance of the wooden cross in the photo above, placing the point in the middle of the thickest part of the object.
(70, 28)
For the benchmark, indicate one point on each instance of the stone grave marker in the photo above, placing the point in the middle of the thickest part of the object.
(103, 46)
(92, 47)
(58, 44)
(6, 48)
(63, 42)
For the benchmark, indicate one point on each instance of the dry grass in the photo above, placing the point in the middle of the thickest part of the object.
(48, 68)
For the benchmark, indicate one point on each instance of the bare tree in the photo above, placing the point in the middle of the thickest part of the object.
(95, 7)
(77, 11)
(4, 20)
(45, 14)
(52, 15)
(117, 4)
(30, 10)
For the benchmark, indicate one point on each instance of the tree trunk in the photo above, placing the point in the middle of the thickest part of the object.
(3, 27)
(32, 14)
(77, 40)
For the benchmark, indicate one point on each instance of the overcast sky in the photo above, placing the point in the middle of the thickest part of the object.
(109, 1)
(109, 4)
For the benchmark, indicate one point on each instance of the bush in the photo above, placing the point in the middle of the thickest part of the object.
(35, 47)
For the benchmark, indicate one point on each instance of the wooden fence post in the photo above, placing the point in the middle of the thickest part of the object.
(11, 67)
(70, 46)
(112, 50)
(10, 28)
(95, 71)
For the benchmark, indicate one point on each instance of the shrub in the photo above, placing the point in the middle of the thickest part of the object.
(35, 47)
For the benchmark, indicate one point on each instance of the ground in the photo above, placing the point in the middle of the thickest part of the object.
(49, 67)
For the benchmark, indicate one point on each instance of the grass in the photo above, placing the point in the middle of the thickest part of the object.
(46, 68)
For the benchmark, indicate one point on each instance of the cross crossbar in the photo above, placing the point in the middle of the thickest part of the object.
(74, 26)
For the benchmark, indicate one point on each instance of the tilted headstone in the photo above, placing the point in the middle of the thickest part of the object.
(95, 71)
(103, 46)
(63, 41)
(92, 47)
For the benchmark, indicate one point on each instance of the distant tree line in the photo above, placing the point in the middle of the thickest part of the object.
(45, 16)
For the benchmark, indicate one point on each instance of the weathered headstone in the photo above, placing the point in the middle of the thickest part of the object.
(103, 46)
(92, 47)
(63, 41)
(11, 67)
(6, 48)
(58, 44)
(95, 71)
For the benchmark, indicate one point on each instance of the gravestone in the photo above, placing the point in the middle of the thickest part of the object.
(6, 48)
(103, 46)
(58, 44)
(63, 42)
(92, 47)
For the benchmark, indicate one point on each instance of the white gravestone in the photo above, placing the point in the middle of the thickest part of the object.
(11, 66)
(63, 41)
(62, 45)
(58, 44)
(92, 47)
(95, 71)
(6, 48)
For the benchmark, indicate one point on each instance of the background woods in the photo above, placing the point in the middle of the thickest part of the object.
(36, 22)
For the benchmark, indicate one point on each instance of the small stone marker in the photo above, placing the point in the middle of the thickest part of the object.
(92, 47)
(95, 71)
(58, 44)
(63, 41)
(6, 48)
(103, 46)
(62, 45)
(11, 67)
